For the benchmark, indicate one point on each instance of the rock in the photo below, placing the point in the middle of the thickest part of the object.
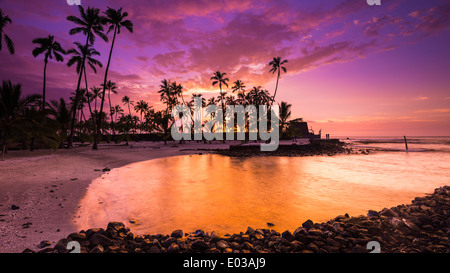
(173, 248)
(77, 237)
(14, 207)
(200, 246)
(315, 232)
(97, 249)
(308, 224)
(388, 213)
(288, 236)
(250, 231)
(43, 244)
(154, 249)
(106, 169)
(177, 233)
(98, 239)
(199, 233)
(169, 241)
(222, 245)
(115, 226)
(270, 224)
(372, 213)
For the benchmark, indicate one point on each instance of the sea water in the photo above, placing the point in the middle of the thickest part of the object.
(226, 195)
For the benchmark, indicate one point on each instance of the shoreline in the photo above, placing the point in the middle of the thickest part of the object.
(47, 205)
(420, 227)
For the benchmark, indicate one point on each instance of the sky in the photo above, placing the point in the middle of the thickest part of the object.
(353, 69)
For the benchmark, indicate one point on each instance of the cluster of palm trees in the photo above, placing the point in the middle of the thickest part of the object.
(28, 119)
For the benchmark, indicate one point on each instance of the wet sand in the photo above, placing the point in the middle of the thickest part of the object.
(47, 185)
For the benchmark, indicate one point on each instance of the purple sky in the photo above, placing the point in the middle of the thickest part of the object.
(353, 69)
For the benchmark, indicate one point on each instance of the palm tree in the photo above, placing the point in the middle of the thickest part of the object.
(86, 54)
(118, 110)
(126, 100)
(4, 20)
(112, 87)
(115, 19)
(96, 93)
(49, 47)
(89, 23)
(219, 78)
(165, 92)
(238, 86)
(61, 113)
(285, 114)
(141, 106)
(276, 66)
(11, 105)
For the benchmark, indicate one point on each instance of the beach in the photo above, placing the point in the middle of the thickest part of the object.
(46, 186)
(37, 211)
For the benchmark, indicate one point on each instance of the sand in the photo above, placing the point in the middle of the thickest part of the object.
(47, 186)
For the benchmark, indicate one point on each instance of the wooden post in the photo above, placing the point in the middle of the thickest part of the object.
(406, 143)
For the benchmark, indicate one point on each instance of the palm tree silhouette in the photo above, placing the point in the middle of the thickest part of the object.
(115, 19)
(61, 113)
(112, 87)
(49, 47)
(85, 53)
(238, 86)
(4, 20)
(219, 78)
(276, 66)
(89, 23)
(141, 106)
(285, 114)
(126, 100)
(11, 105)
(165, 93)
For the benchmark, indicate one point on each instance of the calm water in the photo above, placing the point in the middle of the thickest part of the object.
(226, 195)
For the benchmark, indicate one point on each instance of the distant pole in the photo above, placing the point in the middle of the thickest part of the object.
(406, 143)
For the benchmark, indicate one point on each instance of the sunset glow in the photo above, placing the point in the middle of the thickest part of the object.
(353, 69)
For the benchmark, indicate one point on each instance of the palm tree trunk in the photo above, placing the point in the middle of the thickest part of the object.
(88, 99)
(43, 88)
(223, 113)
(110, 113)
(99, 120)
(276, 86)
(77, 97)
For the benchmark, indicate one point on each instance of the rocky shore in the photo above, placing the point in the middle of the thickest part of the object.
(420, 227)
(316, 147)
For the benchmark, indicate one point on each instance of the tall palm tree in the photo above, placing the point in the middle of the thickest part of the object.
(116, 20)
(4, 20)
(90, 24)
(165, 93)
(126, 100)
(219, 78)
(276, 66)
(87, 54)
(49, 47)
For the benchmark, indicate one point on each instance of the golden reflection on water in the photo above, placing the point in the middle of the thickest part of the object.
(226, 195)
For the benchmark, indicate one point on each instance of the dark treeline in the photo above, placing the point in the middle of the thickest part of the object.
(29, 122)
